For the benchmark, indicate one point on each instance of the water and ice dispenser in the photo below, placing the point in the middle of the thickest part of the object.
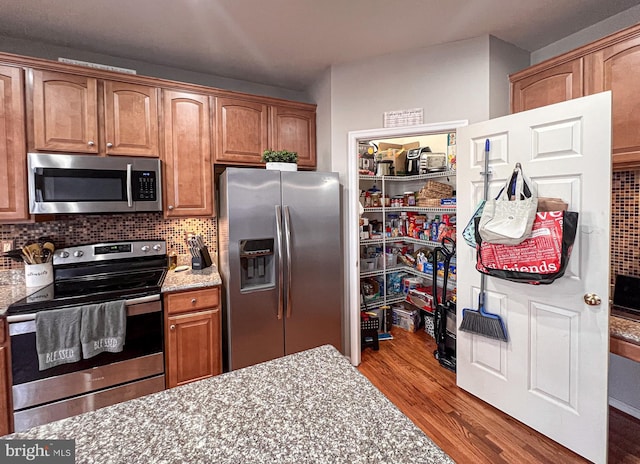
(257, 264)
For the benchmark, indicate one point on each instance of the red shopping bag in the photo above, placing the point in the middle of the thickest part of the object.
(539, 259)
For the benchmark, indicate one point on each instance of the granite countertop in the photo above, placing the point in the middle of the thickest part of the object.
(309, 407)
(190, 279)
(624, 329)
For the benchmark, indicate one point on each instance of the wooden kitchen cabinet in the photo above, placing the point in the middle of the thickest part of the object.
(553, 85)
(6, 409)
(192, 336)
(13, 151)
(187, 161)
(131, 119)
(617, 68)
(295, 130)
(242, 131)
(65, 112)
(611, 63)
(67, 116)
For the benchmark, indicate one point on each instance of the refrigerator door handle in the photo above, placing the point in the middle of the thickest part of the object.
(287, 239)
(280, 266)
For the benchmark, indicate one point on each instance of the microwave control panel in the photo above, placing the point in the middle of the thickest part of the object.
(145, 186)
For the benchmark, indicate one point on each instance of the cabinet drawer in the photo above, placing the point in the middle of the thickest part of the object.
(192, 300)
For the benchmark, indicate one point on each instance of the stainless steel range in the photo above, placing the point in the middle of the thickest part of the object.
(132, 271)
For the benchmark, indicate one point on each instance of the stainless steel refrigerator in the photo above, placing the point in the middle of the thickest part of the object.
(281, 263)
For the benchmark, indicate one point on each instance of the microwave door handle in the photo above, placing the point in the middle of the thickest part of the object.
(129, 187)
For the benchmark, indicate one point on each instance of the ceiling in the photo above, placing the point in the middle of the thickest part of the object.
(288, 43)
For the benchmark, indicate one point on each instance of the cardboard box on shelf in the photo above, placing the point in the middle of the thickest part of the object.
(406, 319)
(397, 153)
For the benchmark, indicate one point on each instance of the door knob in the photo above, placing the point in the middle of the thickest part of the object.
(592, 299)
(109, 145)
(90, 143)
(170, 207)
(172, 327)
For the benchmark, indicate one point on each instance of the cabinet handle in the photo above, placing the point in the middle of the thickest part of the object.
(109, 145)
(172, 327)
(170, 207)
(91, 143)
(193, 300)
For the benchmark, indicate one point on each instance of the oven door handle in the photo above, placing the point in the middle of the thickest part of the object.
(133, 301)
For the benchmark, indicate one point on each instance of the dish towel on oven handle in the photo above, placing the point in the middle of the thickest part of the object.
(103, 328)
(58, 337)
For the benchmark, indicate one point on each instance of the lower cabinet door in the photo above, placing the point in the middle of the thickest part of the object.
(193, 347)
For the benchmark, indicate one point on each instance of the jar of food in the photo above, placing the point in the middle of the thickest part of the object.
(409, 198)
(172, 259)
(387, 201)
(397, 201)
(375, 200)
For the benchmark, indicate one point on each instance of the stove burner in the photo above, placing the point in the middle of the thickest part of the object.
(131, 273)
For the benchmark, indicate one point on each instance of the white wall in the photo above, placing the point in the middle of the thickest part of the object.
(449, 81)
(320, 93)
(505, 59)
(452, 81)
(610, 25)
(53, 52)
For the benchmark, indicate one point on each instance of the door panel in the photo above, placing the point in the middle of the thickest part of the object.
(560, 83)
(552, 374)
(247, 211)
(314, 317)
(65, 115)
(188, 172)
(131, 119)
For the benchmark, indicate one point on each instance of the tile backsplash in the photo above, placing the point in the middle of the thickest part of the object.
(80, 229)
(625, 223)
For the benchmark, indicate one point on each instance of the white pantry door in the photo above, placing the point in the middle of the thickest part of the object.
(552, 373)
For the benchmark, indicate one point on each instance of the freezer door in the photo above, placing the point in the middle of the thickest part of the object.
(247, 228)
(313, 276)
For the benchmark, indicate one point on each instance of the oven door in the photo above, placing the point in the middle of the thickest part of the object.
(91, 184)
(42, 396)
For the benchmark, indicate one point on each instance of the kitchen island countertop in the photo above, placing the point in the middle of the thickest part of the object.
(309, 407)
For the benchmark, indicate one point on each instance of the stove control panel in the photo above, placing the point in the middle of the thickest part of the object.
(109, 251)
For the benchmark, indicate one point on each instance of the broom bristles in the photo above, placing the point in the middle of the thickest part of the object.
(474, 322)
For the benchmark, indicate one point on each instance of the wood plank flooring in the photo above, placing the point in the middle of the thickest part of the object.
(467, 429)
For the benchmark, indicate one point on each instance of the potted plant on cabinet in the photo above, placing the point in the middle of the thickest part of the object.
(281, 160)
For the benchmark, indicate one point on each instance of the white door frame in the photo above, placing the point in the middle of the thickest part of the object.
(353, 193)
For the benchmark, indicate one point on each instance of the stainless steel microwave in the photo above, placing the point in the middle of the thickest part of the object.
(62, 184)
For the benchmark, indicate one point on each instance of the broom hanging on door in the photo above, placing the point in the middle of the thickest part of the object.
(478, 321)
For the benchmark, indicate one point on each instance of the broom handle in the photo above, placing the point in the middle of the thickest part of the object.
(485, 175)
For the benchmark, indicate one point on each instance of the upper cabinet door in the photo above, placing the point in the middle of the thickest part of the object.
(295, 130)
(616, 68)
(188, 170)
(557, 84)
(242, 130)
(131, 119)
(65, 116)
(13, 152)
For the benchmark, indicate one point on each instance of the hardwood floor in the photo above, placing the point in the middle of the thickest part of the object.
(467, 429)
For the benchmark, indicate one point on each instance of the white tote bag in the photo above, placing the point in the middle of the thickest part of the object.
(509, 221)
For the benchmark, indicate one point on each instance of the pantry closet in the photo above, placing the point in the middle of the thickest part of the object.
(402, 213)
